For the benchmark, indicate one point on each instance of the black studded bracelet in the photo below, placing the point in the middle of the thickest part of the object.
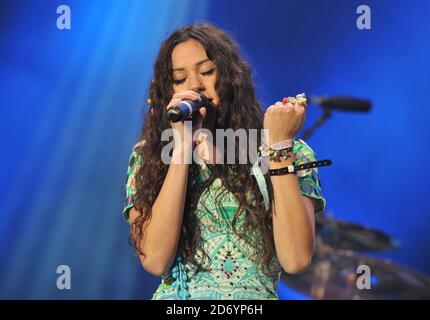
(304, 166)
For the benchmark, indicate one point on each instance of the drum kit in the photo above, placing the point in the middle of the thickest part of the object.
(334, 274)
(339, 269)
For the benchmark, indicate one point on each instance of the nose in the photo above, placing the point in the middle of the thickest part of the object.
(196, 84)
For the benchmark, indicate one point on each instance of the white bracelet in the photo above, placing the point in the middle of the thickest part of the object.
(283, 144)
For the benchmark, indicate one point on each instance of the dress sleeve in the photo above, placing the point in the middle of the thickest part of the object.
(310, 184)
(134, 163)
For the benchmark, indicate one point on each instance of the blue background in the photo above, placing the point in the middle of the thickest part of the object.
(72, 103)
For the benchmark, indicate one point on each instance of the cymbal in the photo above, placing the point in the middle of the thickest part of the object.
(333, 275)
(352, 236)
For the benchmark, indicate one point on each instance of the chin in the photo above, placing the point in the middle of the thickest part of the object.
(212, 104)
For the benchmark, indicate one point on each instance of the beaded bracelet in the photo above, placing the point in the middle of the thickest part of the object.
(277, 151)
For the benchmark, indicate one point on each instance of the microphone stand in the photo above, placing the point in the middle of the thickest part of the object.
(308, 132)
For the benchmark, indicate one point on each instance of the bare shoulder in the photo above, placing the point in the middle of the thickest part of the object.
(139, 144)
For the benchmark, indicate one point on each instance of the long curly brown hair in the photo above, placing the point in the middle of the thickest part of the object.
(238, 108)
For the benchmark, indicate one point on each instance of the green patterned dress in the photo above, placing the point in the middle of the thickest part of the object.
(232, 273)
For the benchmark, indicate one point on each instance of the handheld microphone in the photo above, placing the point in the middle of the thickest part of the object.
(184, 109)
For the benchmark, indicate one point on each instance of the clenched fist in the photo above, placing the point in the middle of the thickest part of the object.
(284, 119)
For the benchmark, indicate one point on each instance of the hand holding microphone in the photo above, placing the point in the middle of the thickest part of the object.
(183, 105)
(184, 109)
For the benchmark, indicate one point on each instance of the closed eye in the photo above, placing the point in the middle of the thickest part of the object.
(207, 73)
(178, 81)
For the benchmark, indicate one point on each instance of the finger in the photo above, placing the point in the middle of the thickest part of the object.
(173, 102)
(187, 95)
(289, 100)
(270, 108)
(184, 95)
(202, 112)
(198, 117)
(279, 104)
(301, 107)
(301, 102)
(189, 91)
(194, 94)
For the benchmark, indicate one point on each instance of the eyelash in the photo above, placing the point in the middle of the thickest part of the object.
(207, 73)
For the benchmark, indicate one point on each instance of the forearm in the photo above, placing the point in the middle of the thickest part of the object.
(293, 223)
(161, 235)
